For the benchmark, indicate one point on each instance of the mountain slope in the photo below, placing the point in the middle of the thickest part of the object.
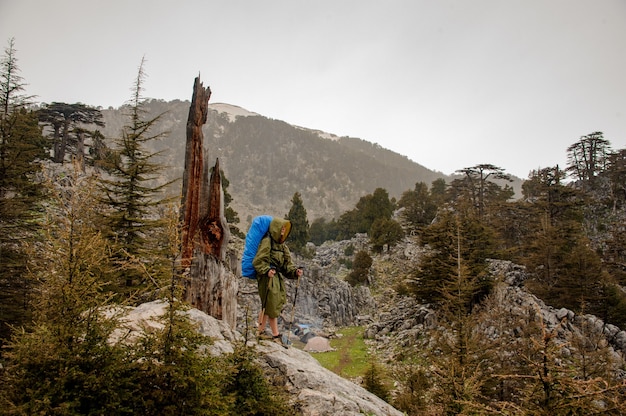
(266, 161)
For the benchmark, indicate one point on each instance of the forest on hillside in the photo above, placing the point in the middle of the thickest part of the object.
(84, 225)
(267, 160)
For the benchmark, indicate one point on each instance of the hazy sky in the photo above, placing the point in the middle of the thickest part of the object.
(448, 83)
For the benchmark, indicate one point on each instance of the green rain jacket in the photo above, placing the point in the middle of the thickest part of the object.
(273, 253)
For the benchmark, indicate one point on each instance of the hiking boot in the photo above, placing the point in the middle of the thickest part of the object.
(264, 336)
(279, 340)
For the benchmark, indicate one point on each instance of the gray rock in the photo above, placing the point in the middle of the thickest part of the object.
(318, 391)
(312, 389)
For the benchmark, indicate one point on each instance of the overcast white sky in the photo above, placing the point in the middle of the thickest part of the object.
(448, 83)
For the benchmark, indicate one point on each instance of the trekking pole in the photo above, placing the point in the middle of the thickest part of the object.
(285, 339)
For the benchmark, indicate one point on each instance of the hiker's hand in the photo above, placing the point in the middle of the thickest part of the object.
(299, 272)
(271, 273)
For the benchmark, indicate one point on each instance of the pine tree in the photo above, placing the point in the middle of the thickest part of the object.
(62, 360)
(566, 271)
(437, 270)
(299, 235)
(478, 189)
(616, 173)
(12, 84)
(368, 209)
(68, 123)
(232, 217)
(385, 232)
(587, 158)
(532, 371)
(72, 360)
(373, 380)
(319, 231)
(249, 389)
(419, 207)
(132, 197)
(360, 269)
(555, 389)
(22, 148)
(458, 365)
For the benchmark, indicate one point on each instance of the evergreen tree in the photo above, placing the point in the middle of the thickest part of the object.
(587, 158)
(375, 206)
(614, 251)
(549, 375)
(550, 197)
(251, 392)
(12, 85)
(99, 153)
(567, 272)
(616, 174)
(458, 364)
(477, 190)
(385, 232)
(319, 231)
(299, 235)
(22, 148)
(132, 197)
(360, 269)
(170, 371)
(67, 122)
(368, 209)
(63, 361)
(232, 217)
(438, 192)
(73, 361)
(348, 225)
(373, 380)
(553, 389)
(455, 239)
(413, 386)
(419, 207)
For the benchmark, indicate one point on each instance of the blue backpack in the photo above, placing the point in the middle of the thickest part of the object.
(258, 229)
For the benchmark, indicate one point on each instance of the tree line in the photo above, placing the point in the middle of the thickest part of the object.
(567, 234)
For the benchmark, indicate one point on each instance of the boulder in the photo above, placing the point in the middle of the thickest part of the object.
(313, 390)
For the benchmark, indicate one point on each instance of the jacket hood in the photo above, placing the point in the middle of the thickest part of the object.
(276, 225)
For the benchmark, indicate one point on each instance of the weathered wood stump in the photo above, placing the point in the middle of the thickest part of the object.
(209, 284)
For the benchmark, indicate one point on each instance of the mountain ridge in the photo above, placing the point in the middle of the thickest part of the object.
(267, 161)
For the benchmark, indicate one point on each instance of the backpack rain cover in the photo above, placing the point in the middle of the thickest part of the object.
(259, 227)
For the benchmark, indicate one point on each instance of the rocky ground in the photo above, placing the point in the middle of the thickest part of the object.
(393, 323)
(313, 390)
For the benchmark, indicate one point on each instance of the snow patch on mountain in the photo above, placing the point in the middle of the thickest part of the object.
(320, 133)
(233, 111)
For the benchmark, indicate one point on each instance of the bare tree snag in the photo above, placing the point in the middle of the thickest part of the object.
(194, 164)
(209, 284)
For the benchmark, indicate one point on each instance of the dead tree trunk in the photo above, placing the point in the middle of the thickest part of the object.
(209, 284)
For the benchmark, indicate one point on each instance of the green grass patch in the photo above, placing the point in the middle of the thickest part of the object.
(350, 358)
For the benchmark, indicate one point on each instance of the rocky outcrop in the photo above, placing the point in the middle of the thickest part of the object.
(312, 389)
(322, 301)
(404, 322)
(406, 317)
(516, 301)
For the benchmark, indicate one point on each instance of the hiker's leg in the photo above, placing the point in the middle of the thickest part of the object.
(274, 326)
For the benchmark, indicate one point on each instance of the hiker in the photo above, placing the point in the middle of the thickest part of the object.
(272, 264)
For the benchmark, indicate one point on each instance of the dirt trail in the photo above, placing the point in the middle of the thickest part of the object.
(345, 359)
